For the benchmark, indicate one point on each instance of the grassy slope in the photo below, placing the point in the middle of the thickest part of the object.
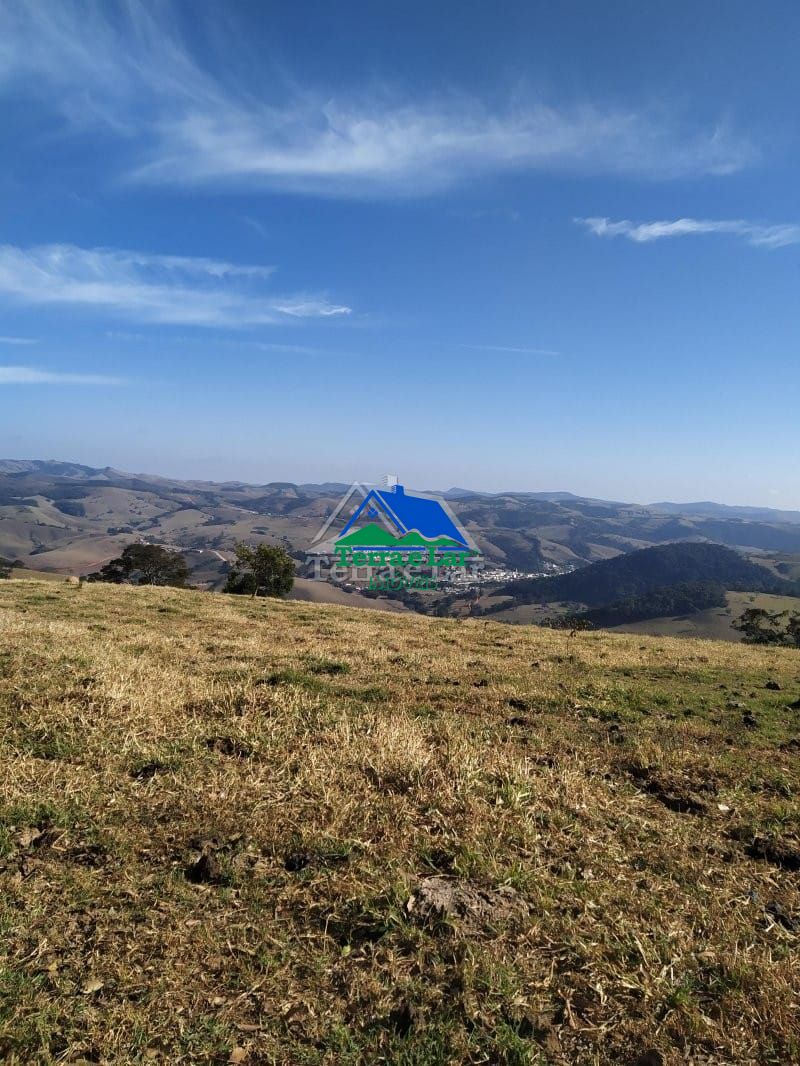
(715, 623)
(138, 726)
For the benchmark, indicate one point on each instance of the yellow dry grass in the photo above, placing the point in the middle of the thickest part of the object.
(213, 813)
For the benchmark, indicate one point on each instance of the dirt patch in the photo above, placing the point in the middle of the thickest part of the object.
(780, 851)
(205, 870)
(471, 908)
(778, 913)
(676, 793)
(35, 846)
(214, 860)
(230, 746)
(516, 703)
(295, 861)
(148, 770)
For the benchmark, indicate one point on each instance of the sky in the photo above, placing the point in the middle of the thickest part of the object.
(527, 246)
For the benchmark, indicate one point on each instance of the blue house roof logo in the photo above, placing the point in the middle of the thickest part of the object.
(396, 519)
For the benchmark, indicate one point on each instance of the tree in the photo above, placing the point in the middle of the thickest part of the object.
(764, 627)
(145, 564)
(5, 568)
(261, 571)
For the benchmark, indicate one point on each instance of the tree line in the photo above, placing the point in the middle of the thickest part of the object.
(265, 570)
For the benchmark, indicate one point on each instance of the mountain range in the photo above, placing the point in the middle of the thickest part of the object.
(72, 518)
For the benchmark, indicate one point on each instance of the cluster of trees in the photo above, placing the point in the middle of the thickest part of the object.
(5, 567)
(641, 572)
(770, 627)
(72, 508)
(684, 598)
(265, 570)
(261, 571)
(145, 564)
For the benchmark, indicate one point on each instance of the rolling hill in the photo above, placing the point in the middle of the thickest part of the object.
(71, 518)
(646, 571)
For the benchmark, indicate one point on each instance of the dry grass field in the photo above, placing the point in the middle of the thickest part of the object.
(250, 832)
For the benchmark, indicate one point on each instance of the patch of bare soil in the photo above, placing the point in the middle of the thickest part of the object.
(780, 851)
(675, 792)
(470, 908)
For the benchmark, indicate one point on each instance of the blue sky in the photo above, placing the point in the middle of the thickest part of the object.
(527, 246)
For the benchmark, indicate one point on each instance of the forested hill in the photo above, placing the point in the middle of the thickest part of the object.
(641, 572)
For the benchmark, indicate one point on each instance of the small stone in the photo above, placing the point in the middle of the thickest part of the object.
(773, 686)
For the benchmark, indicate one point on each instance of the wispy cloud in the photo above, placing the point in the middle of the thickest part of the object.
(163, 289)
(127, 70)
(757, 234)
(255, 225)
(17, 340)
(353, 147)
(27, 375)
(506, 348)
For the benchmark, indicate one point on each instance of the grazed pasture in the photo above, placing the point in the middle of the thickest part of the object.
(226, 827)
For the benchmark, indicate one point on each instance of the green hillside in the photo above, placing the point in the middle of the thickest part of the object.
(640, 573)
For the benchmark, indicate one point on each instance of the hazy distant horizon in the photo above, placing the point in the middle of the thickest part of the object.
(420, 485)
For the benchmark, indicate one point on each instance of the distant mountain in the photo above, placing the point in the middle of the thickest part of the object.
(722, 510)
(54, 468)
(640, 573)
(324, 488)
(551, 497)
(66, 516)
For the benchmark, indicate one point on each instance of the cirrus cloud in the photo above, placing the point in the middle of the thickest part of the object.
(166, 289)
(757, 234)
(127, 71)
(27, 375)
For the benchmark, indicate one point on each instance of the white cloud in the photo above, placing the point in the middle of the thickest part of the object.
(351, 147)
(151, 288)
(127, 70)
(776, 236)
(17, 340)
(310, 309)
(26, 375)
